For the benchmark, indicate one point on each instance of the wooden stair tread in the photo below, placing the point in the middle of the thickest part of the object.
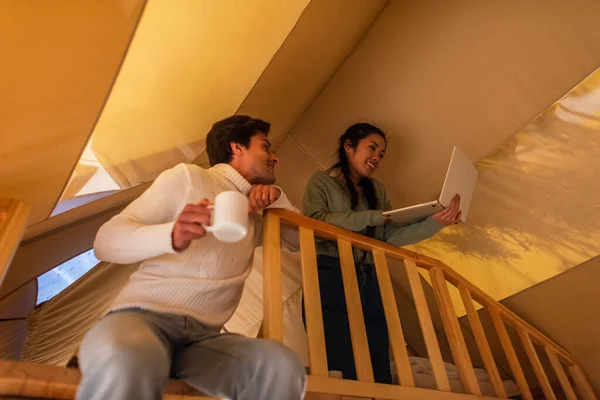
(19, 378)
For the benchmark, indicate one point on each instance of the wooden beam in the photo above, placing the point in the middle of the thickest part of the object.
(273, 303)
(453, 331)
(482, 343)
(582, 384)
(13, 221)
(360, 343)
(431, 342)
(511, 355)
(560, 374)
(317, 353)
(392, 317)
(536, 364)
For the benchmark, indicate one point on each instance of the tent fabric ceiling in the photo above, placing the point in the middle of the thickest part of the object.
(433, 75)
(190, 63)
(157, 113)
(20, 303)
(61, 58)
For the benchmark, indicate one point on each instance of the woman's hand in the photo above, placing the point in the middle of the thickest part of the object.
(450, 215)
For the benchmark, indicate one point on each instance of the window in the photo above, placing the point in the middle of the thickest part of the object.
(59, 278)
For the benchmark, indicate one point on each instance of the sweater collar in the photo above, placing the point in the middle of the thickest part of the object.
(233, 176)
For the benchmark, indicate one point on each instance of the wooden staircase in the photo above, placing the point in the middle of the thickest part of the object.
(28, 380)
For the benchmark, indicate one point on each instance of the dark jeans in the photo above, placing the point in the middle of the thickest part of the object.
(335, 319)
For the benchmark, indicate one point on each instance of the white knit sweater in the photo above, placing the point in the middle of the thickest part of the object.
(204, 281)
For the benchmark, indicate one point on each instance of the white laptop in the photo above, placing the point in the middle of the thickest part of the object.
(461, 179)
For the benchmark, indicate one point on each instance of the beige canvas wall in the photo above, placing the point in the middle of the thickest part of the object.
(59, 60)
(323, 37)
(433, 74)
(191, 63)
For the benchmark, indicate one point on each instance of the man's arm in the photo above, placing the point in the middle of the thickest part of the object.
(144, 228)
(273, 197)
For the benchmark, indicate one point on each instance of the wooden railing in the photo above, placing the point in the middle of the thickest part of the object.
(13, 221)
(441, 275)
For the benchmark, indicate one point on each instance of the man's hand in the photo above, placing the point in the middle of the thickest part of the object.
(262, 196)
(189, 224)
(450, 215)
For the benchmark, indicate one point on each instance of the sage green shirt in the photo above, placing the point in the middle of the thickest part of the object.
(326, 198)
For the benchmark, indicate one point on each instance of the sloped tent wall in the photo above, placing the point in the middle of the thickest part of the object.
(59, 61)
(14, 311)
(435, 74)
(191, 62)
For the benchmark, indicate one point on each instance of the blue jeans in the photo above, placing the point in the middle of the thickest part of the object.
(130, 354)
(335, 319)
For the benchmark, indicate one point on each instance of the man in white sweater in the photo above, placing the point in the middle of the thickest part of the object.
(167, 320)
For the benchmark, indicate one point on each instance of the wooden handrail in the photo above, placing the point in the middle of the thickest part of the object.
(441, 274)
(330, 232)
(13, 221)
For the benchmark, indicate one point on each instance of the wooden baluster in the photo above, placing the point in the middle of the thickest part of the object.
(582, 384)
(392, 317)
(360, 344)
(13, 221)
(273, 304)
(560, 374)
(510, 353)
(536, 364)
(482, 343)
(317, 353)
(431, 342)
(455, 336)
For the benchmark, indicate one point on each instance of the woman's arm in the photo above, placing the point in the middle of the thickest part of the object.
(402, 235)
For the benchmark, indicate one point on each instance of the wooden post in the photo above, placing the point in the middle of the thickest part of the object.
(13, 221)
(360, 344)
(431, 342)
(582, 384)
(312, 304)
(273, 303)
(560, 374)
(511, 355)
(482, 343)
(392, 317)
(455, 336)
(536, 364)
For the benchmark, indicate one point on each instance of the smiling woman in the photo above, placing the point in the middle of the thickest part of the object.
(354, 201)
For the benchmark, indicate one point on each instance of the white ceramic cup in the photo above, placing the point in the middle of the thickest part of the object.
(229, 219)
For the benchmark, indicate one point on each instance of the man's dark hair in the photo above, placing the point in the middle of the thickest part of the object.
(236, 129)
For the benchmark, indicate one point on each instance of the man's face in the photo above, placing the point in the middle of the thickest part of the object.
(258, 161)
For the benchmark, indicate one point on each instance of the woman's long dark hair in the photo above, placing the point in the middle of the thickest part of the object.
(354, 134)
